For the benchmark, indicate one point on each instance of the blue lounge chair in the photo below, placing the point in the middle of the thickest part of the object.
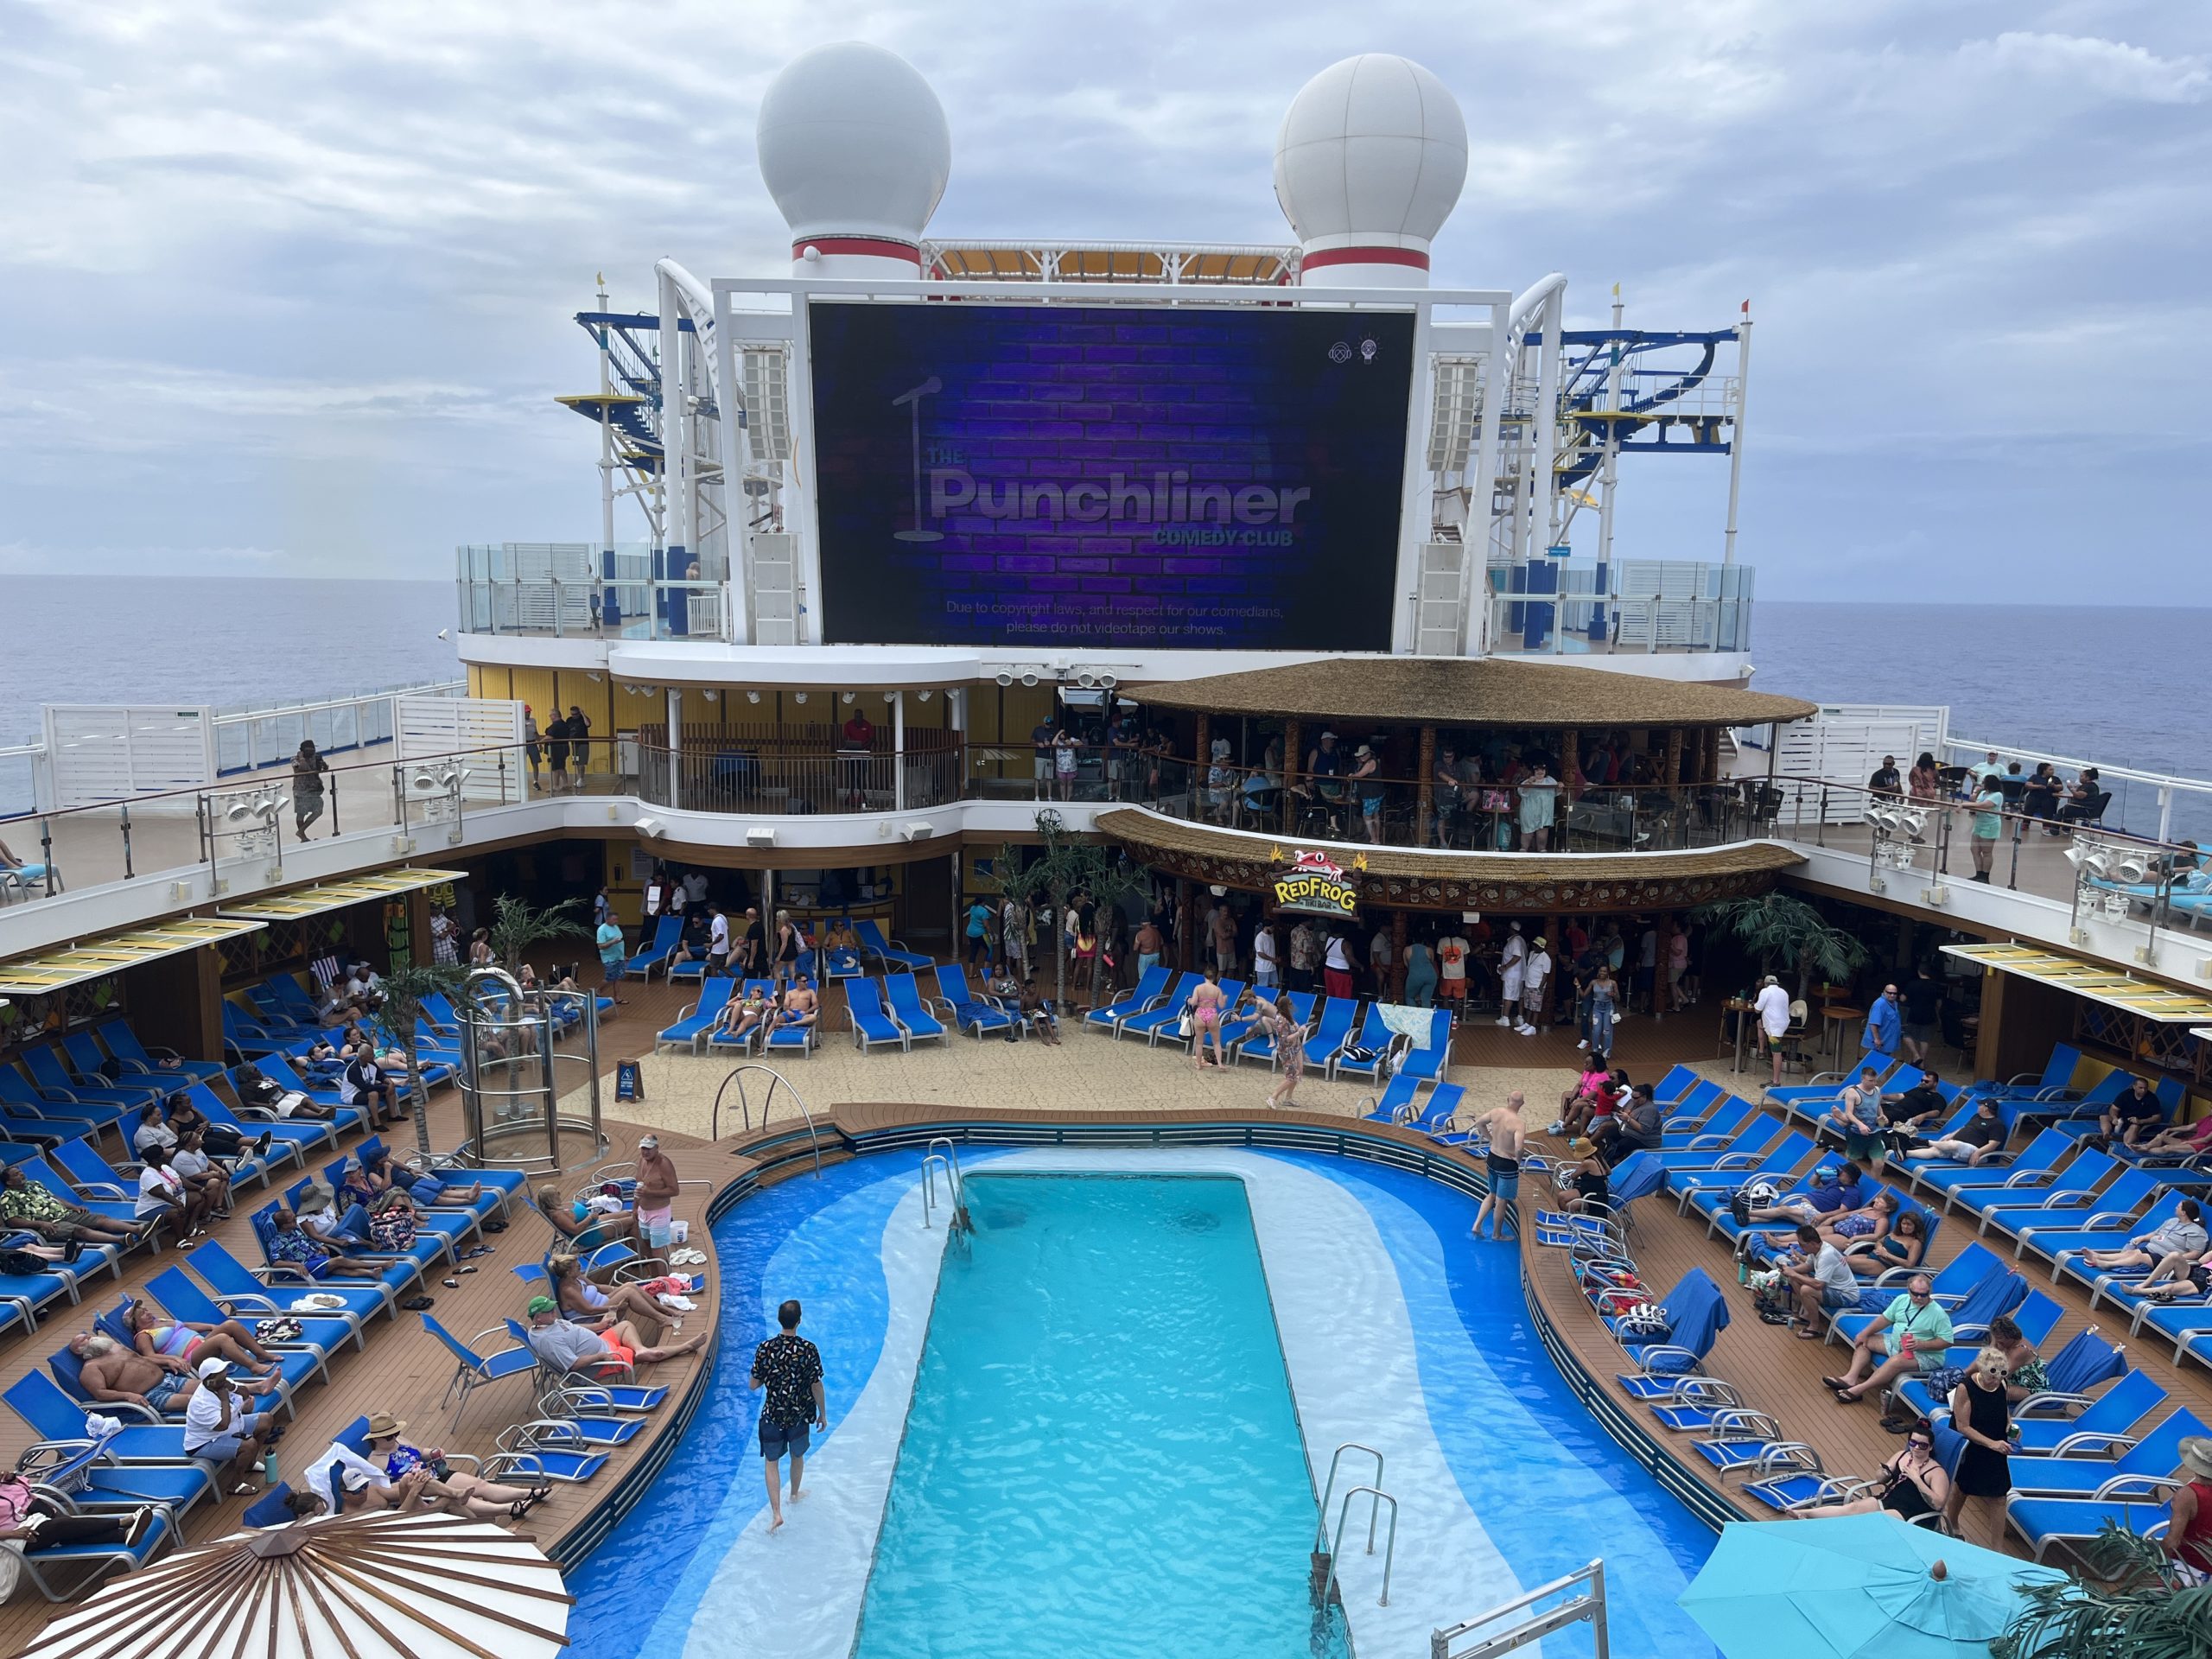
(1338, 1016)
(2156, 1456)
(473, 1371)
(2033, 1166)
(55, 1418)
(668, 933)
(1259, 1046)
(1151, 985)
(70, 1572)
(1429, 1059)
(1713, 1155)
(749, 1043)
(53, 1066)
(1728, 1117)
(1396, 1103)
(2054, 1082)
(1375, 1039)
(1778, 1166)
(889, 952)
(2067, 1103)
(303, 1134)
(2107, 1422)
(973, 1012)
(395, 1275)
(238, 1287)
(1232, 993)
(872, 1023)
(1696, 1314)
(1168, 1010)
(911, 1010)
(2075, 1193)
(1953, 1284)
(2143, 1507)
(35, 1100)
(81, 1470)
(692, 1025)
(784, 1038)
(1680, 1082)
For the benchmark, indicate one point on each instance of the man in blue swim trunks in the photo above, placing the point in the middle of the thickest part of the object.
(1507, 1137)
(788, 1368)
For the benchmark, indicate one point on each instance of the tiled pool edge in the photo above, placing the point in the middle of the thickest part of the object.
(775, 1156)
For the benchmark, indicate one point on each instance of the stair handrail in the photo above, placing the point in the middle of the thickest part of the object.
(776, 1080)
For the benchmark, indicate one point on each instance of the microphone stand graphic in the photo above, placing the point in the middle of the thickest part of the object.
(913, 402)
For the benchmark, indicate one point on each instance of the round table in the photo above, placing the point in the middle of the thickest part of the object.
(1835, 1015)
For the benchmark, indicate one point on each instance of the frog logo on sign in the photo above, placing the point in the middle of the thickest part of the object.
(1314, 885)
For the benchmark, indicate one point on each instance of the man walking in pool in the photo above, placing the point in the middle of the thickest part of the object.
(1508, 1135)
(788, 1368)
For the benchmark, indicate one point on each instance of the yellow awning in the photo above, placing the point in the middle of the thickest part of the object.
(2100, 984)
(55, 971)
(336, 895)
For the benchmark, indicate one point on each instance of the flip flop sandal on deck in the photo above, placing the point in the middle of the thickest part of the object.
(417, 1304)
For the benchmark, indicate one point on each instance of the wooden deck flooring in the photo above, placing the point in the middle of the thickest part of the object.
(407, 1372)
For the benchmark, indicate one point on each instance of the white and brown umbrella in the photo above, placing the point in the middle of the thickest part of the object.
(414, 1585)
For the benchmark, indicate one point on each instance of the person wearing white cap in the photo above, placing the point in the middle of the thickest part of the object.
(1772, 1006)
(1513, 967)
(1535, 974)
(218, 1427)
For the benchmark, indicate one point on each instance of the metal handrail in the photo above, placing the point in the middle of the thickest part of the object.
(1329, 1490)
(776, 1080)
(1590, 1605)
(1390, 1547)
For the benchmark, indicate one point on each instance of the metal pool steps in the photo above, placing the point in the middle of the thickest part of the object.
(1321, 1579)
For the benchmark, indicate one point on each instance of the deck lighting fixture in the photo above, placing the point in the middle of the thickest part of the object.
(648, 827)
(760, 835)
(752, 696)
(1029, 677)
(848, 699)
(1005, 677)
(923, 695)
(798, 696)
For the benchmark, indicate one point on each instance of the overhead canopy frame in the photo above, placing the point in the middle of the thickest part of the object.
(336, 895)
(111, 953)
(2143, 997)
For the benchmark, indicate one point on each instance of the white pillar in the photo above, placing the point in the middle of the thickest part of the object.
(899, 751)
(675, 746)
(1544, 429)
(1497, 377)
(1736, 435)
(675, 436)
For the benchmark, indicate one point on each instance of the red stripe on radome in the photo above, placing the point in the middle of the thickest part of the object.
(875, 247)
(1412, 256)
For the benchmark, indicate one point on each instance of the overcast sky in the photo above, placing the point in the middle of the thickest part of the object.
(290, 285)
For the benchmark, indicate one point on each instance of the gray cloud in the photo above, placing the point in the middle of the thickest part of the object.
(292, 282)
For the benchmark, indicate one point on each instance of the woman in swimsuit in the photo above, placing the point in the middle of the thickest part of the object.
(158, 1338)
(1913, 1483)
(1205, 1022)
(584, 1303)
(1902, 1246)
(1290, 1049)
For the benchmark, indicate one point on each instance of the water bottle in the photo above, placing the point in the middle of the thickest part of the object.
(268, 1470)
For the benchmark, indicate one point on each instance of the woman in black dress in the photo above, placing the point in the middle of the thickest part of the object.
(1980, 1410)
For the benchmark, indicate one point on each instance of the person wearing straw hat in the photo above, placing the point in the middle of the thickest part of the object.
(2188, 1541)
(460, 1493)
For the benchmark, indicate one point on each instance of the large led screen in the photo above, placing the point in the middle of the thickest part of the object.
(1050, 477)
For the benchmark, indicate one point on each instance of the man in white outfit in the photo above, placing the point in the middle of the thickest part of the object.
(1773, 1005)
(1534, 977)
(1511, 966)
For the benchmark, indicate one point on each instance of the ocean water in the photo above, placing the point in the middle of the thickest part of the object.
(2113, 684)
(1102, 1404)
(228, 642)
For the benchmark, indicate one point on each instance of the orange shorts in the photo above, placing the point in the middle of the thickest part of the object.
(627, 1356)
(1453, 989)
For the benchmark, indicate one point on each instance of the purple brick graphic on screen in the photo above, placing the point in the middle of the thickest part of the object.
(1035, 477)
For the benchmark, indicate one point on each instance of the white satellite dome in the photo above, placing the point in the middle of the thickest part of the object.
(854, 148)
(1368, 165)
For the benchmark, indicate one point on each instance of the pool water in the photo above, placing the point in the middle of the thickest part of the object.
(1102, 1454)
(1394, 1329)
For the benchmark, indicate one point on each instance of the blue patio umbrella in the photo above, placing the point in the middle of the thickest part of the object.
(1855, 1585)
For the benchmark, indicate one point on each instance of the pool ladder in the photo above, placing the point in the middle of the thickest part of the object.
(1584, 1602)
(946, 1163)
(1321, 1583)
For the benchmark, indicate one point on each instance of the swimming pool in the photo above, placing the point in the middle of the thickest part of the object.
(1100, 1405)
(1394, 1330)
